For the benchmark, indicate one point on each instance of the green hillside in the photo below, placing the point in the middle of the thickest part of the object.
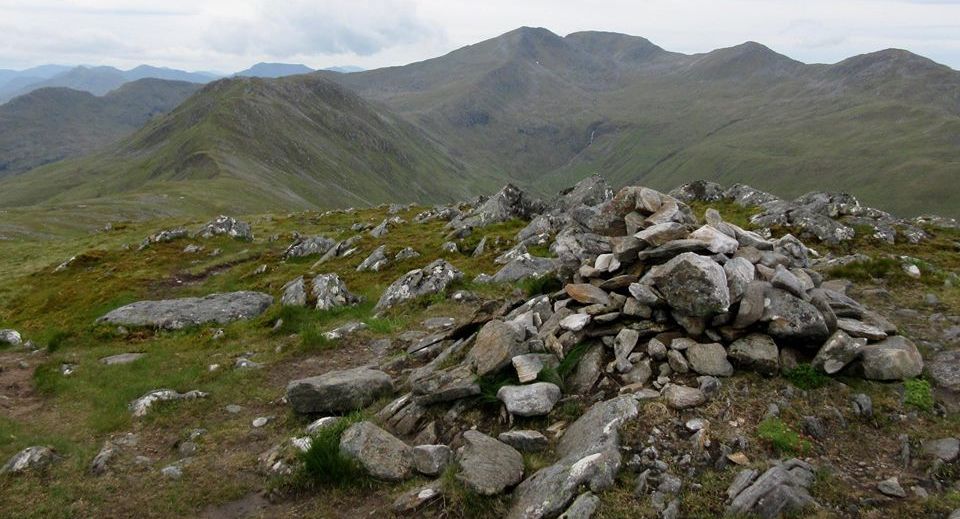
(52, 124)
(255, 144)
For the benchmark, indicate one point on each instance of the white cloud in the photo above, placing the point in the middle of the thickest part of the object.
(228, 35)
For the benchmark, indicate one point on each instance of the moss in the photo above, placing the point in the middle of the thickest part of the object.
(805, 376)
(918, 393)
(781, 437)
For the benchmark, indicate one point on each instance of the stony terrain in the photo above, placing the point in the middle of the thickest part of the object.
(715, 350)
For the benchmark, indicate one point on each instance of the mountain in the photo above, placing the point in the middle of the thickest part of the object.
(99, 80)
(246, 144)
(544, 110)
(274, 70)
(52, 124)
(30, 75)
(345, 69)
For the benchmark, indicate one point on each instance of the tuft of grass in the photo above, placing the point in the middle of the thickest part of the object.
(535, 286)
(875, 268)
(566, 366)
(805, 376)
(917, 393)
(781, 437)
(491, 384)
(55, 339)
(461, 502)
(325, 466)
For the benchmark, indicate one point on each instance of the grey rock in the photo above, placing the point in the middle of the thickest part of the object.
(682, 397)
(895, 358)
(526, 266)
(623, 346)
(413, 500)
(175, 314)
(376, 261)
(226, 226)
(693, 285)
(101, 462)
(587, 294)
(525, 440)
(294, 293)
(715, 241)
(309, 246)
(122, 358)
(677, 362)
(839, 351)
(432, 279)
(740, 272)
(752, 304)
(786, 280)
(944, 370)
(587, 372)
(709, 359)
(345, 330)
(780, 490)
(32, 458)
(487, 466)
(794, 320)
(172, 472)
(331, 292)
(380, 453)
(142, 405)
(530, 400)
(855, 328)
(496, 345)
(406, 253)
(575, 322)
(509, 202)
(757, 352)
(447, 385)
(430, 460)
(943, 449)
(862, 405)
(891, 487)
(10, 337)
(660, 234)
(338, 391)
(583, 507)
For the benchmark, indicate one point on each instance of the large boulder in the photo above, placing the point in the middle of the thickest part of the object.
(496, 345)
(895, 358)
(431, 279)
(175, 314)
(529, 400)
(226, 226)
(331, 292)
(338, 391)
(693, 285)
(488, 466)
(794, 320)
(509, 202)
(309, 246)
(379, 452)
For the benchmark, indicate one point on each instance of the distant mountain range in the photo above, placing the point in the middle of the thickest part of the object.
(100, 80)
(542, 111)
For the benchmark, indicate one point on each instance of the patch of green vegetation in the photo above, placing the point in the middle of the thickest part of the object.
(805, 376)
(918, 393)
(462, 503)
(491, 384)
(565, 368)
(534, 286)
(874, 268)
(708, 500)
(781, 437)
(324, 464)
(542, 251)
(730, 211)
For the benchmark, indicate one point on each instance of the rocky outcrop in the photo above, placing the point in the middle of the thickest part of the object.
(226, 226)
(432, 279)
(340, 391)
(782, 489)
(331, 292)
(487, 466)
(176, 314)
(30, 459)
(379, 452)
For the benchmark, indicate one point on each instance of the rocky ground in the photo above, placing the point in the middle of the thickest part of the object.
(712, 351)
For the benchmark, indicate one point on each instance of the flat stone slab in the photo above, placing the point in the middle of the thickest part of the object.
(175, 314)
(123, 358)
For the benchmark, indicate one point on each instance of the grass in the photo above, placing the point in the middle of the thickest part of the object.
(779, 436)
(918, 393)
(535, 286)
(565, 368)
(805, 376)
(324, 464)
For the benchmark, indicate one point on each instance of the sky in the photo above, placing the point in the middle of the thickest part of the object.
(230, 35)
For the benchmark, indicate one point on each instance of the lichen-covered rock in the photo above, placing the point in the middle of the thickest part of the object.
(376, 261)
(175, 314)
(309, 246)
(794, 320)
(340, 391)
(226, 226)
(10, 337)
(142, 405)
(331, 292)
(757, 352)
(780, 490)
(709, 359)
(682, 397)
(431, 279)
(496, 345)
(839, 351)
(693, 285)
(487, 466)
(32, 458)
(379, 452)
(525, 266)
(294, 293)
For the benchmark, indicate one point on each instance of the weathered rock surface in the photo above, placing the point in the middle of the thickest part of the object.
(175, 314)
(757, 352)
(309, 246)
(431, 279)
(380, 453)
(496, 345)
(895, 358)
(10, 337)
(32, 458)
(142, 405)
(430, 460)
(226, 226)
(693, 285)
(331, 292)
(530, 400)
(338, 391)
(487, 466)
(839, 351)
(780, 490)
(709, 359)
(294, 293)
(525, 440)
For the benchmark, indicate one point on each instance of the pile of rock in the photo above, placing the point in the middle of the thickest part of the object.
(828, 217)
(226, 226)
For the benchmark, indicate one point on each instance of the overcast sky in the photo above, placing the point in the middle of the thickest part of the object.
(229, 35)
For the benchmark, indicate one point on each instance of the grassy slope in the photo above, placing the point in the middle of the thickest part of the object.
(52, 124)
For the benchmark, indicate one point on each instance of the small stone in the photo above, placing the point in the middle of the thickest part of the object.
(682, 397)
(260, 421)
(891, 487)
(530, 400)
(525, 440)
(172, 472)
(430, 460)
